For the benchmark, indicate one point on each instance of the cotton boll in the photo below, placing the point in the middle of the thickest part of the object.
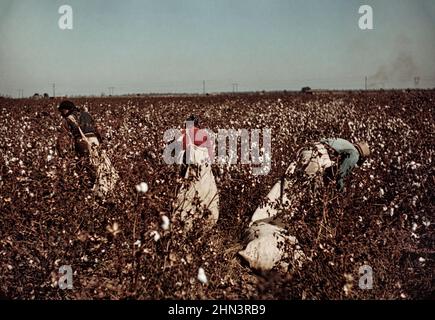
(166, 223)
(414, 227)
(421, 259)
(201, 276)
(155, 235)
(142, 187)
(113, 229)
(414, 200)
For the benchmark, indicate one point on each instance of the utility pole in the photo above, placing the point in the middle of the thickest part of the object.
(235, 87)
(203, 86)
(416, 81)
(111, 91)
(366, 83)
(54, 90)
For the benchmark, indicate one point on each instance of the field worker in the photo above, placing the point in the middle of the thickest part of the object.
(198, 197)
(329, 155)
(73, 117)
(86, 137)
(268, 243)
(194, 136)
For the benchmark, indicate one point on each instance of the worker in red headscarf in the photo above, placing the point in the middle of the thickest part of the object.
(198, 199)
(199, 137)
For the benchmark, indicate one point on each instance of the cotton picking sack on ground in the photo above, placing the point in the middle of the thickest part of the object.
(201, 195)
(276, 199)
(268, 244)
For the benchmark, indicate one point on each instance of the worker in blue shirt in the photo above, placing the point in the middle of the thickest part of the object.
(349, 154)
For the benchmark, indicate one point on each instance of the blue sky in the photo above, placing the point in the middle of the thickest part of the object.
(171, 46)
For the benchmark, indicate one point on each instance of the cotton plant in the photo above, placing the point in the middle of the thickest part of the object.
(155, 235)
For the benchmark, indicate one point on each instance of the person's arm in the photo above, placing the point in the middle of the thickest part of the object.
(64, 140)
(98, 133)
(349, 160)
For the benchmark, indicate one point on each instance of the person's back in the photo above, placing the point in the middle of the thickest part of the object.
(87, 123)
(83, 120)
(339, 144)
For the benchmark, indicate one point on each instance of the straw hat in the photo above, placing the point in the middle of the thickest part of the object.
(363, 149)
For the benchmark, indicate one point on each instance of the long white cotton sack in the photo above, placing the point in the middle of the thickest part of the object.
(203, 188)
(268, 243)
(271, 208)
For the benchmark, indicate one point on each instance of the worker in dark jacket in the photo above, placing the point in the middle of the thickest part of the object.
(87, 139)
(81, 126)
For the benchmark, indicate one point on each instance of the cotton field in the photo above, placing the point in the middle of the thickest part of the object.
(130, 246)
